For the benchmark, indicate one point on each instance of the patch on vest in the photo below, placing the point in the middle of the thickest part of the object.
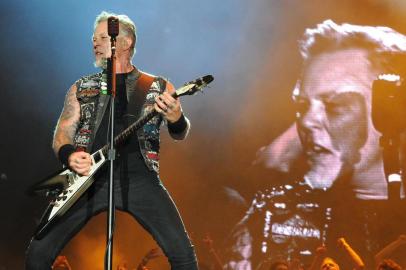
(154, 91)
(150, 128)
(84, 135)
(87, 111)
(295, 226)
(155, 86)
(87, 93)
(152, 155)
(153, 158)
(82, 141)
(89, 84)
(152, 95)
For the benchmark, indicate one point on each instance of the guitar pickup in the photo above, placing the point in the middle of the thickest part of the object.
(61, 198)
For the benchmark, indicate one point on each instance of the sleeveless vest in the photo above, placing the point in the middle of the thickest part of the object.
(93, 104)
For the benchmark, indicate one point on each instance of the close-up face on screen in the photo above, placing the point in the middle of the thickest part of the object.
(332, 157)
(332, 115)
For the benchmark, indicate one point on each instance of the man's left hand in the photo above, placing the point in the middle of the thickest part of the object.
(168, 106)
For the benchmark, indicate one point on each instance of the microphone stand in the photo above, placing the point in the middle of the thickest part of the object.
(392, 165)
(388, 102)
(111, 156)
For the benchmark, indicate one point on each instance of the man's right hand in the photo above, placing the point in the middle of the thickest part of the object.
(80, 162)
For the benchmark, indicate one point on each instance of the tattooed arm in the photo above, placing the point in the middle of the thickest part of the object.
(68, 121)
(65, 131)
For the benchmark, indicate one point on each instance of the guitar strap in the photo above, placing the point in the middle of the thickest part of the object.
(137, 89)
(144, 82)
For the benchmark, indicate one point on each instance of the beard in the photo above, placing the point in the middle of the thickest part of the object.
(101, 63)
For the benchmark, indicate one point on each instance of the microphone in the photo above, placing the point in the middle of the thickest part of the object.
(112, 27)
(389, 102)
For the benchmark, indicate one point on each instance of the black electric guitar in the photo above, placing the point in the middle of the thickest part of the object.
(66, 186)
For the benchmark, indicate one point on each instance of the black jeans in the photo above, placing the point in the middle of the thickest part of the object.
(141, 195)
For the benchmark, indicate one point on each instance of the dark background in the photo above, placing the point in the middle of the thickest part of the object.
(249, 46)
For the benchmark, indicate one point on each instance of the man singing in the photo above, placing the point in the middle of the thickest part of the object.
(83, 128)
(342, 191)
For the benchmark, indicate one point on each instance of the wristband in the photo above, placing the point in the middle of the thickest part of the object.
(64, 152)
(179, 126)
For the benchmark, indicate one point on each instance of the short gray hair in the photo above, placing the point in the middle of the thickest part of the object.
(382, 43)
(127, 26)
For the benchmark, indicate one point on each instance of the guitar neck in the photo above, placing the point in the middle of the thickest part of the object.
(186, 89)
(124, 135)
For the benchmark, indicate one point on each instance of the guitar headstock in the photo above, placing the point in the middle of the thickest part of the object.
(192, 87)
